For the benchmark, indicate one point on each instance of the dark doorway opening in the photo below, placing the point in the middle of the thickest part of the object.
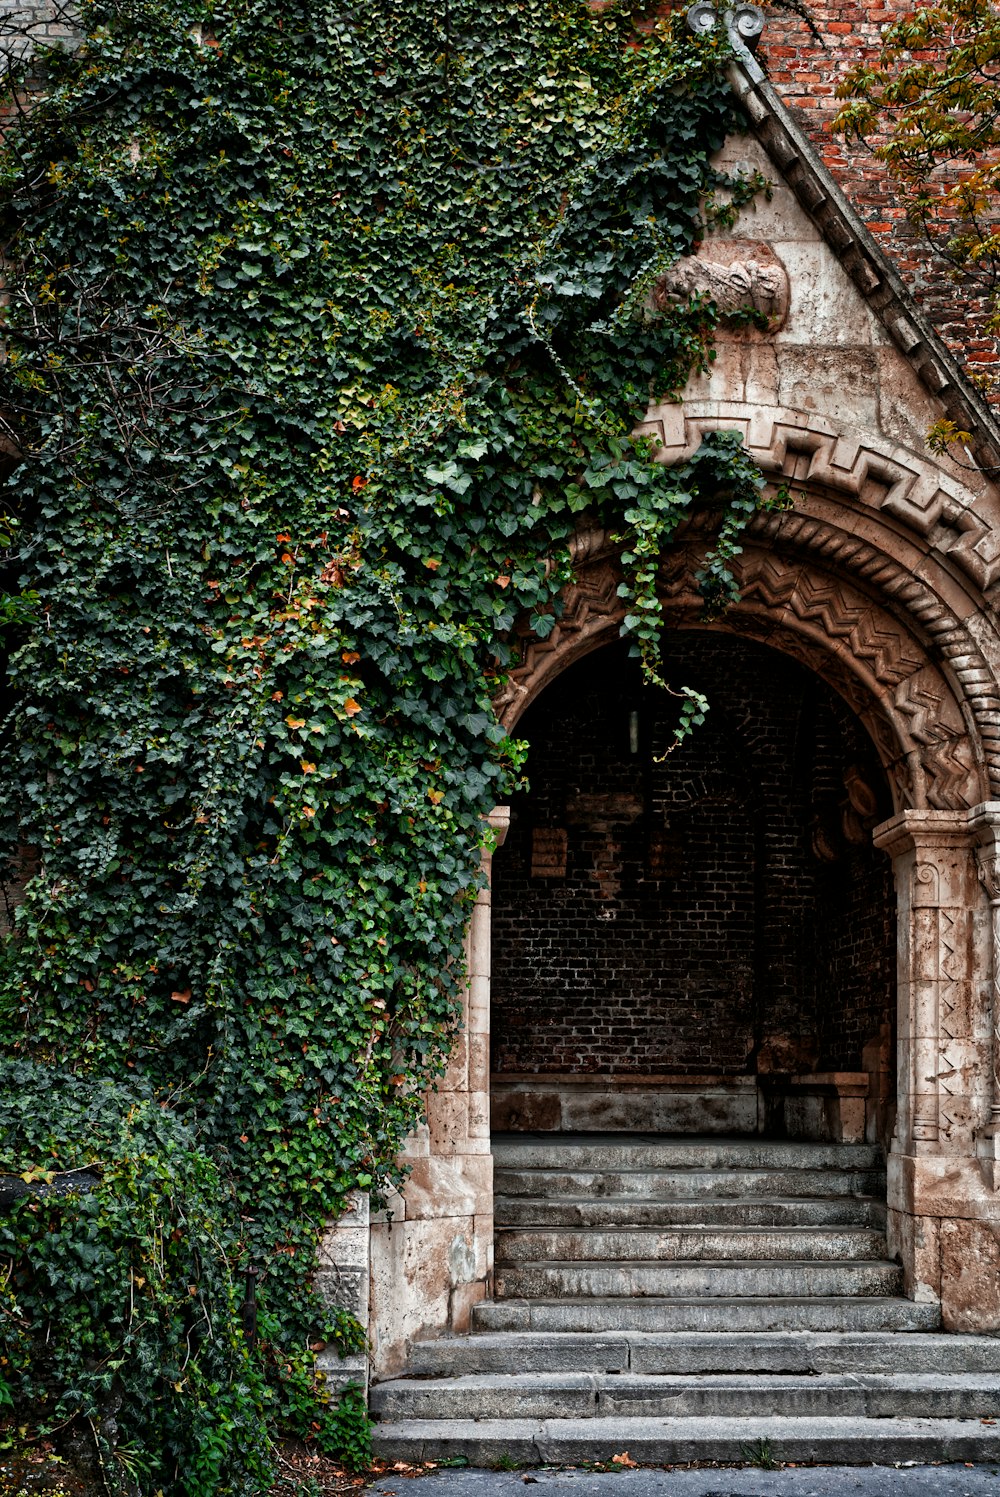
(699, 941)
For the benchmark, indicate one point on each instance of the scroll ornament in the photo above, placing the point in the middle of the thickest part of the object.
(743, 22)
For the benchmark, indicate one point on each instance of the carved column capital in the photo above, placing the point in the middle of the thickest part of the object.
(498, 822)
(988, 864)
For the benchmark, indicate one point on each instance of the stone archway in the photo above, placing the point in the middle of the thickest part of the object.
(896, 624)
(880, 580)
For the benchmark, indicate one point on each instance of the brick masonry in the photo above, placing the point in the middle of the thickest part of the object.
(806, 71)
(720, 912)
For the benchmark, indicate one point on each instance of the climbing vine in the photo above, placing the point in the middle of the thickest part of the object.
(326, 323)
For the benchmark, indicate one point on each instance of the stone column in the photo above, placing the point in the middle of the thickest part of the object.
(432, 1252)
(937, 895)
(985, 822)
(941, 1211)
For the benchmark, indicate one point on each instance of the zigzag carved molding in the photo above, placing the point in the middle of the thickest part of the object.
(801, 447)
(911, 598)
(833, 627)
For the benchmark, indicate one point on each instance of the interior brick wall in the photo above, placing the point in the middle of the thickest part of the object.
(689, 925)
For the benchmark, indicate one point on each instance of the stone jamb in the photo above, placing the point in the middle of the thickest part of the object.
(944, 1210)
(431, 1251)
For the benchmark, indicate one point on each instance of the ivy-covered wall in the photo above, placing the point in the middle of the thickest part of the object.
(324, 326)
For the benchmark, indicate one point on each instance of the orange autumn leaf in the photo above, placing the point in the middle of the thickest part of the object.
(357, 482)
(623, 1460)
(503, 580)
(182, 996)
(307, 768)
(295, 722)
(431, 563)
(351, 707)
(350, 657)
(435, 796)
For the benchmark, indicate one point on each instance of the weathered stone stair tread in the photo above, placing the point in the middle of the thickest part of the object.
(688, 1184)
(753, 1315)
(681, 1244)
(703, 1278)
(614, 1211)
(580, 1395)
(606, 1151)
(697, 1352)
(847, 1441)
(683, 1298)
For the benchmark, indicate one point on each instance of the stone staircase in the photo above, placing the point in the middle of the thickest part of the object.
(686, 1299)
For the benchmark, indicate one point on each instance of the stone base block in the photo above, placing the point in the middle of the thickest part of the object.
(944, 1226)
(828, 1107)
(425, 1277)
(647, 1104)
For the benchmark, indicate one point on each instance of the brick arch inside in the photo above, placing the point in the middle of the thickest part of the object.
(709, 934)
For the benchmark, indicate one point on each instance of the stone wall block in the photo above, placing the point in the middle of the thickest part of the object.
(456, 1186)
(916, 1240)
(479, 1064)
(338, 1371)
(448, 1123)
(970, 1276)
(456, 1076)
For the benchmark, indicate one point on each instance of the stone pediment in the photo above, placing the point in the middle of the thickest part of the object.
(806, 196)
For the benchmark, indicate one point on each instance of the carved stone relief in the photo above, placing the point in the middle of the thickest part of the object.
(739, 275)
(824, 620)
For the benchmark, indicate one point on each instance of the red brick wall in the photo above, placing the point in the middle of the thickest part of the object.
(694, 927)
(805, 72)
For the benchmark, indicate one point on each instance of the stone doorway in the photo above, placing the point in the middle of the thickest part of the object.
(702, 942)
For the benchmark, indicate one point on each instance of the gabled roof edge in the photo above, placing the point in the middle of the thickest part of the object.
(866, 262)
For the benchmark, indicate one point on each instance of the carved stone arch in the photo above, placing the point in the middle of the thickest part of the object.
(860, 466)
(856, 580)
(921, 534)
(919, 596)
(833, 621)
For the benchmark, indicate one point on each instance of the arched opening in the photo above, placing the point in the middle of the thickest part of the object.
(700, 941)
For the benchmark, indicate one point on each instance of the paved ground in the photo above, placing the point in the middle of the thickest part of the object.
(803, 1481)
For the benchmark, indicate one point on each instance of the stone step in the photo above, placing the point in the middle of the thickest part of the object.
(694, 1352)
(743, 1316)
(587, 1395)
(748, 1244)
(632, 1151)
(664, 1442)
(588, 1211)
(688, 1184)
(711, 1278)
